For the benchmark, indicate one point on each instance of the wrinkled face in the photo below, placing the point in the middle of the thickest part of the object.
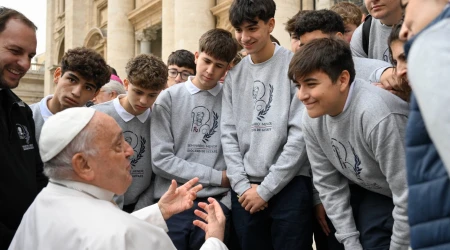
(17, 47)
(349, 29)
(254, 37)
(209, 71)
(111, 164)
(103, 96)
(383, 9)
(319, 94)
(139, 99)
(398, 54)
(418, 14)
(72, 90)
(309, 36)
(295, 42)
(178, 75)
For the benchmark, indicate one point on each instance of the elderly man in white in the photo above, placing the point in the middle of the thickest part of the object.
(87, 161)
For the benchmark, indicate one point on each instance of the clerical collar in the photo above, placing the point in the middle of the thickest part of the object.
(91, 190)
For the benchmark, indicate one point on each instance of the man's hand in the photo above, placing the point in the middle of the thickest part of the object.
(225, 181)
(321, 217)
(214, 218)
(176, 200)
(251, 201)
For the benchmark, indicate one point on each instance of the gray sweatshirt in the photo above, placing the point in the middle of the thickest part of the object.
(378, 47)
(363, 145)
(40, 114)
(185, 131)
(136, 130)
(261, 134)
(369, 69)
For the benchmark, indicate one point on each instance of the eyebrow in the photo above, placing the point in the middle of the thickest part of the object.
(310, 79)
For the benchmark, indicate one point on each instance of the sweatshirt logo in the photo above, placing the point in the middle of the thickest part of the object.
(201, 122)
(262, 98)
(22, 132)
(138, 145)
(349, 160)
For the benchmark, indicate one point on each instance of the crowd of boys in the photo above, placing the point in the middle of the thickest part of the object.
(344, 137)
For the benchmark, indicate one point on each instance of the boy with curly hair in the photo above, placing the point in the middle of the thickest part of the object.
(351, 15)
(146, 77)
(185, 131)
(81, 75)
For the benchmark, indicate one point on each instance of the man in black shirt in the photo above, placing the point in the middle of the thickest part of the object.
(21, 175)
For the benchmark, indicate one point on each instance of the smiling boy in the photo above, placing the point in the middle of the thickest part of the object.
(262, 139)
(82, 74)
(354, 133)
(146, 78)
(185, 131)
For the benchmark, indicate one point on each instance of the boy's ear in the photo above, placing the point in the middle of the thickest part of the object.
(196, 55)
(344, 80)
(126, 83)
(271, 24)
(339, 35)
(57, 75)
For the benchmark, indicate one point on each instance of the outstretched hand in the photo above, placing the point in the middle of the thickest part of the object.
(214, 219)
(176, 200)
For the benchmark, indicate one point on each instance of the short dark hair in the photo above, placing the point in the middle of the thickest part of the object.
(250, 10)
(394, 36)
(147, 71)
(112, 70)
(182, 58)
(219, 44)
(6, 14)
(327, 21)
(290, 24)
(88, 63)
(329, 55)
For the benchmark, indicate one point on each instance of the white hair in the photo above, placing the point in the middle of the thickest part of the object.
(115, 86)
(60, 166)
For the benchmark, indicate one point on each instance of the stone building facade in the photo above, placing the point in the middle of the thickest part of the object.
(121, 29)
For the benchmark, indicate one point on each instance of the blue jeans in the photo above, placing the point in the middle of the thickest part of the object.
(184, 234)
(373, 217)
(285, 224)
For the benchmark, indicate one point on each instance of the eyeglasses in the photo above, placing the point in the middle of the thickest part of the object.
(174, 73)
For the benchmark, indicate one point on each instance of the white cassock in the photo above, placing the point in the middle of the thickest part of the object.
(82, 217)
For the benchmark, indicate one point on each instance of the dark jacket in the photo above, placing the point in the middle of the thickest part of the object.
(428, 180)
(21, 176)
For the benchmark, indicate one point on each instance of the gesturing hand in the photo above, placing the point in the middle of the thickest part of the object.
(176, 200)
(214, 218)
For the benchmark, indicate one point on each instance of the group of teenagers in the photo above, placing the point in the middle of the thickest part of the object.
(325, 139)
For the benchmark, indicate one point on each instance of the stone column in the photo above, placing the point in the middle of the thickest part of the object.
(50, 49)
(145, 37)
(75, 21)
(308, 4)
(186, 34)
(285, 10)
(120, 35)
(167, 28)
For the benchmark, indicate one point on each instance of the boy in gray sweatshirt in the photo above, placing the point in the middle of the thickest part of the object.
(262, 140)
(354, 134)
(185, 131)
(146, 77)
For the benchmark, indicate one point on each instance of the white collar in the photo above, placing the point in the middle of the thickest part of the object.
(125, 115)
(192, 89)
(349, 96)
(45, 112)
(85, 188)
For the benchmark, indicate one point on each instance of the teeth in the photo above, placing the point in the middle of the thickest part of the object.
(16, 72)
